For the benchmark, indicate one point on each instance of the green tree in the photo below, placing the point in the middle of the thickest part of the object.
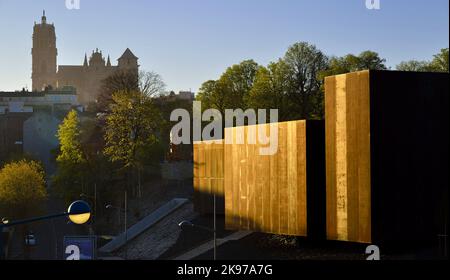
(413, 65)
(71, 174)
(367, 60)
(133, 120)
(131, 130)
(22, 189)
(271, 90)
(149, 83)
(370, 60)
(211, 97)
(69, 139)
(439, 63)
(118, 81)
(304, 63)
(230, 91)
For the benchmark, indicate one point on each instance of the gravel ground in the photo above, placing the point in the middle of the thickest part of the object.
(156, 240)
(260, 246)
(191, 237)
(154, 194)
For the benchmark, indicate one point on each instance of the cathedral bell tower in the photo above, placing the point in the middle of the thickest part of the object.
(44, 55)
(128, 61)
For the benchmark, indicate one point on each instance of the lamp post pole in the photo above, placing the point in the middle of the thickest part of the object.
(215, 239)
(95, 201)
(213, 230)
(24, 221)
(125, 228)
(76, 209)
(123, 211)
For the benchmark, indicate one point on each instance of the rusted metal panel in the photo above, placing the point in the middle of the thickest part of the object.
(385, 156)
(269, 193)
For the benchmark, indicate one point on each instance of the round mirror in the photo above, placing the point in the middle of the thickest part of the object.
(79, 212)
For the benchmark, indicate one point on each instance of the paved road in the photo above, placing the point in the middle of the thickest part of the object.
(49, 236)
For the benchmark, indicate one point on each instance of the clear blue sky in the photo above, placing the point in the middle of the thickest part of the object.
(191, 41)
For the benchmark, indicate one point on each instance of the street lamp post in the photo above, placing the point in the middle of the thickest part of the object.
(109, 206)
(213, 230)
(78, 212)
(94, 198)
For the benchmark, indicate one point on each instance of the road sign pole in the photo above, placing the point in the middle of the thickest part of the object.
(215, 239)
(125, 227)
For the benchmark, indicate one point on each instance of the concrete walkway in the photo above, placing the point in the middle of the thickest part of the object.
(143, 225)
(205, 247)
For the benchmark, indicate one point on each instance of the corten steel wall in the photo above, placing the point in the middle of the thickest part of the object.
(387, 156)
(282, 193)
(347, 114)
(208, 176)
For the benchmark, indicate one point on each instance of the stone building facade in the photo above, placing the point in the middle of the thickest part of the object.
(86, 78)
(29, 122)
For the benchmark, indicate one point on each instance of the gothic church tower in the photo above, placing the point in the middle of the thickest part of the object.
(44, 55)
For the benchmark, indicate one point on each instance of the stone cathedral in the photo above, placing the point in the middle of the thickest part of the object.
(86, 78)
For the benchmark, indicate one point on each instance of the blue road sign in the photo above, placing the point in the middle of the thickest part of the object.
(79, 247)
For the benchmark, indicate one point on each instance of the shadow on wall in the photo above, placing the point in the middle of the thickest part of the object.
(204, 203)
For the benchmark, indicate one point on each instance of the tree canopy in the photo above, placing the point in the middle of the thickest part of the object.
(69, 139)
(367, 60)
(439, 63)
(231, 89)
(304, 63)
(22, 189)
(131, 127)
(271, 89)
(149, 83)
(413, 65)
(72, 171)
